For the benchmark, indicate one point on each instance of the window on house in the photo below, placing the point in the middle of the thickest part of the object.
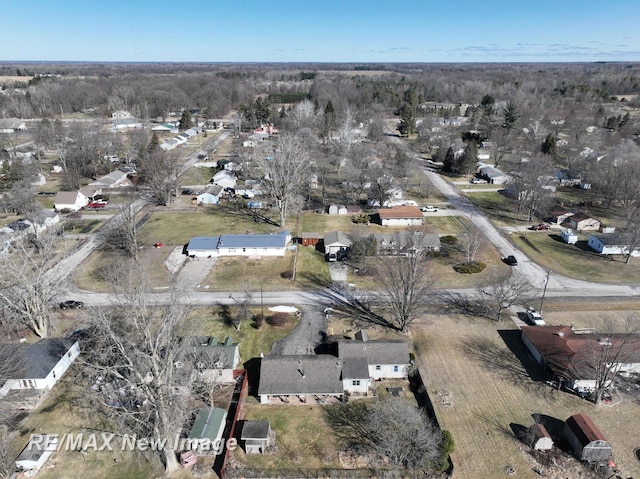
(396, 369)
(355, 382)
(378, 368)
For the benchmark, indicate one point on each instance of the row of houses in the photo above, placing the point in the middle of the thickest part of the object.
(179, 140)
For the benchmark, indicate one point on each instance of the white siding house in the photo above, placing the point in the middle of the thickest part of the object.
(239, 245)
(612, 244)
(401, 216)
(42, 364)
(70, 200)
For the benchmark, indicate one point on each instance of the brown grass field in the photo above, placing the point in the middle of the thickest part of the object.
(483, 371)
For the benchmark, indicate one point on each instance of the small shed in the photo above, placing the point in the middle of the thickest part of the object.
(208, 427)
(309, 239)
(586, 440)
(36, 452)
(539, 437)
(255, 436)
(569, 236)
(333, 209)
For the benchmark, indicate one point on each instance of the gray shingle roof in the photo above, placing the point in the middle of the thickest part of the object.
(254, 241)
(375, 351)
(300, 374)
(336, 237)
(203, 243)
(38, 359)
(355, 368)
(255, 430)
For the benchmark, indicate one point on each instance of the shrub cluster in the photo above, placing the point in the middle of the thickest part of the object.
(470, 267)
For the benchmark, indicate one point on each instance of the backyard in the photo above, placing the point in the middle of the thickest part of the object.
(484, 385)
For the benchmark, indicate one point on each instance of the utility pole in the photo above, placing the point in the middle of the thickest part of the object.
(546, 282)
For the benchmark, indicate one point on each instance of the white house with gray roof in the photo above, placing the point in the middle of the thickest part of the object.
(239, 245)
(613, 243)
(494, 175)
(40, 365)
(358, 364)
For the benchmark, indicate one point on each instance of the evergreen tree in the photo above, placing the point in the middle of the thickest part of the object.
(154, 143)
(511, 116)
(329, 120)
(407, 120)
(185, 120)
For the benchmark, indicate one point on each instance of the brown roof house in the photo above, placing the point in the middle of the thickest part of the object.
(582, 222)
(539, 438)
(576, 360)
(586, 440)
(401, 216)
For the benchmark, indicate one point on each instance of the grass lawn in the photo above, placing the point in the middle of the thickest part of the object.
(177, 228)
(89, 274)
(576, 261)
(484, 372)
(197, 176)
(500, 209)
(207, 321)
(302, 436)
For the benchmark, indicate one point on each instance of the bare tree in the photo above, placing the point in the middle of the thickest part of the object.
(121, 234)
(405, 280)
(531, 187)
(502, 293)
(393, 428)
(471, 241)
(7, 460)
(286, 173)
(606, 355)
(26, 289)
(134, 348)
(160, 171)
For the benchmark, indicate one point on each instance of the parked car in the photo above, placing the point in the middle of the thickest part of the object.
(428, 209)
(71, 304)
(540, 227)
(95, 205)
(478, 181)
(510, 260)
(535, 318)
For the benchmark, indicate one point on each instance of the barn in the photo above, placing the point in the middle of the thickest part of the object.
(309, 239)
(586, 440)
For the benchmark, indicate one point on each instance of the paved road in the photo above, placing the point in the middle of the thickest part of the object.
(558, 286)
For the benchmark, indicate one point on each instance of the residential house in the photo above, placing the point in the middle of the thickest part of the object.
(207, 430)
(571, 357)
(90, 191)
(268, 129)
(127, 124)
(558, 214)
(38, 180)
(114, 179)
(70, 200)
(39, 222)
(224, 179)
(614, 243)
(586, 440)
(303, 376)
(386, 358)
(401, 216)
(210, 196)
(121, 115)
(169, 145)
(12, 125)
(213, 360)
(581, 222)
(165, 128)
(336, 244)
(494, 175)
(40, 365)
(254, 245)
(36, 453)
(255, 436)
(405, 244)
(318, 377)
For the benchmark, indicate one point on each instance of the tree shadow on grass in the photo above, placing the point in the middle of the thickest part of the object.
(239, 210)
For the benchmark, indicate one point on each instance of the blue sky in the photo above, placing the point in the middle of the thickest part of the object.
(321, 31)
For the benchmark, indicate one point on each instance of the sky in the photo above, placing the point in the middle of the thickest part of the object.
(320, 31)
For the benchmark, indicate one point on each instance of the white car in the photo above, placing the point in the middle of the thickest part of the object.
(428, 209)
(478, 181)
(535, 318)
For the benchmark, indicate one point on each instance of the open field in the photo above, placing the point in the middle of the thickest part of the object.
(486, 375)
(576, 261)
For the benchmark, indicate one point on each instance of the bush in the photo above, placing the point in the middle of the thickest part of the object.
(258, 320)
(288, 274)
(470, 268)
(447, 448)
(448, 239)
(279, 319)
